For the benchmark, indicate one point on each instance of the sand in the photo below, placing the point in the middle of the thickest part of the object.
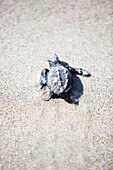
(55, 135)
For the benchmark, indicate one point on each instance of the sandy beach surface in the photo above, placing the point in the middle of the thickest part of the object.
(55, 135)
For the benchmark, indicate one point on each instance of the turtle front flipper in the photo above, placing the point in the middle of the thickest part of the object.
(79, 71)
(43, 79)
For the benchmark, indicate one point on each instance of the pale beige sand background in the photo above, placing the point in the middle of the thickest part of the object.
(55, 135)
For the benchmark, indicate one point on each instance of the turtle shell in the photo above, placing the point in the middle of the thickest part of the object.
(58, 79)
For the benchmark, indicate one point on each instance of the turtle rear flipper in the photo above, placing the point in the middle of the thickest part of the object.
(49, 96)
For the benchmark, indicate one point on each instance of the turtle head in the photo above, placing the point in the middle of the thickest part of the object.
(53, 59)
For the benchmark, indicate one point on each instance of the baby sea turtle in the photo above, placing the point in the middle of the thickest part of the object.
(59, 78)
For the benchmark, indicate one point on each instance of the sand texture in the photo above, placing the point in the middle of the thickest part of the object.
(55, 135)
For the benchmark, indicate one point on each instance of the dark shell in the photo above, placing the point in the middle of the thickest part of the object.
(58, 79)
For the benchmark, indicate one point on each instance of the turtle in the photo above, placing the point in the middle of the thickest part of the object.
(59, 77)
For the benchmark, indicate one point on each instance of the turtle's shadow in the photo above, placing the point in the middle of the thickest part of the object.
(75, 92)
